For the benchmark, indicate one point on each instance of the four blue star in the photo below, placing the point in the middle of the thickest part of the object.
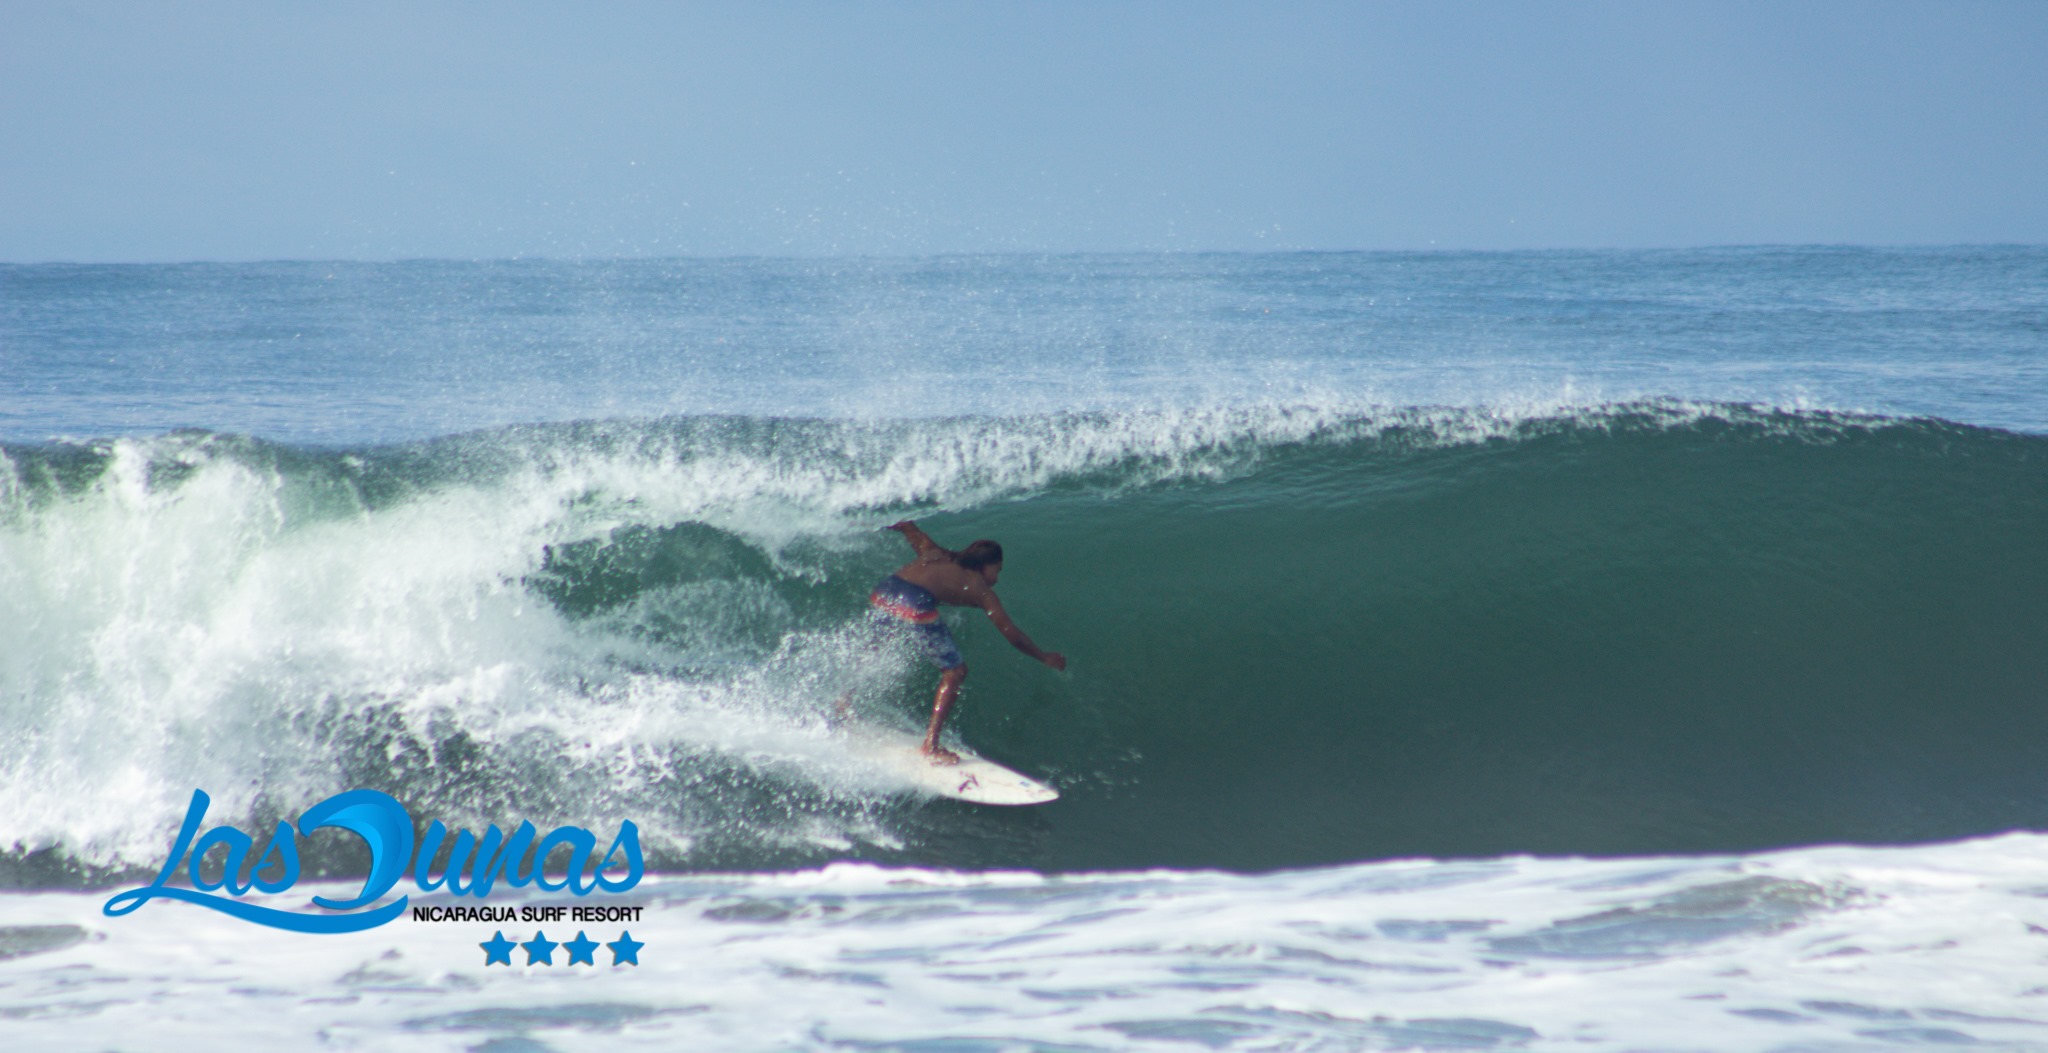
(540, 949)
(497, 949)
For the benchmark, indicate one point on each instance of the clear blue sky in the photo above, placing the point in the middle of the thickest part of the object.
(258, 130)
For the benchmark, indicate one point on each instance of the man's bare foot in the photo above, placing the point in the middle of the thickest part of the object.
(940, 754)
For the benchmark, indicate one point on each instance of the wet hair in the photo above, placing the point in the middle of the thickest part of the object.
(979, 555)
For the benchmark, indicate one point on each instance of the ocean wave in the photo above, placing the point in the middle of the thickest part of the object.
(1300, 633)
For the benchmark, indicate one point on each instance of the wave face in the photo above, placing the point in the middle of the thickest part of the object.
(1297, 635)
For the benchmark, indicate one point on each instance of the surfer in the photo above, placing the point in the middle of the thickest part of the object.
(908, 601)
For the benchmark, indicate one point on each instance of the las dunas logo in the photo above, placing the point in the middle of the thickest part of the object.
(475, 864)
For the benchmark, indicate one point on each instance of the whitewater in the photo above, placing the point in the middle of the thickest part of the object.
(1536, 650)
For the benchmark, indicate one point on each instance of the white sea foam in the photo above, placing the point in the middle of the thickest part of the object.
(1826, 948)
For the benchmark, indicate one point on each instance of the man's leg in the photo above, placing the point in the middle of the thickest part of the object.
(949, 690)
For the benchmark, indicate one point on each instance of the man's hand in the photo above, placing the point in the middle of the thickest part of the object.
(1056, 660)
(902, 526)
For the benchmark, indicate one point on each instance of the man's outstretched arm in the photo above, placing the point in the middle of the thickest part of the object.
(1016, 636)
(919, 540)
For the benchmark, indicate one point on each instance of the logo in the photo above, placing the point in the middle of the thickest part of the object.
(475, 864)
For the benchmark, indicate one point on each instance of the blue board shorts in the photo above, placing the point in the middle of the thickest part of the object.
(899, 607)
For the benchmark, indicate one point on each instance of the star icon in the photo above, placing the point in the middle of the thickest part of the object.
(497, 949)
(626, 949)
(582, 949)
(540, 949)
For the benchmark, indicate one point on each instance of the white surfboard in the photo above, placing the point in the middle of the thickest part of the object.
(973, 779)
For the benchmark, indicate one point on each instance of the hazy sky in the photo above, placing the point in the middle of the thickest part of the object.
(172, 131)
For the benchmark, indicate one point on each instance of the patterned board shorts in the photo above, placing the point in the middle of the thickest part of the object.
(897, 607)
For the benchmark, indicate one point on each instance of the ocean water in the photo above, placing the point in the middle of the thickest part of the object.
(1588, 650)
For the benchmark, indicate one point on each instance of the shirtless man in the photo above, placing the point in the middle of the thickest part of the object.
(909, 600)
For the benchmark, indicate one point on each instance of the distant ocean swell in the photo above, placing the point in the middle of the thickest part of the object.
(1298, 635)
